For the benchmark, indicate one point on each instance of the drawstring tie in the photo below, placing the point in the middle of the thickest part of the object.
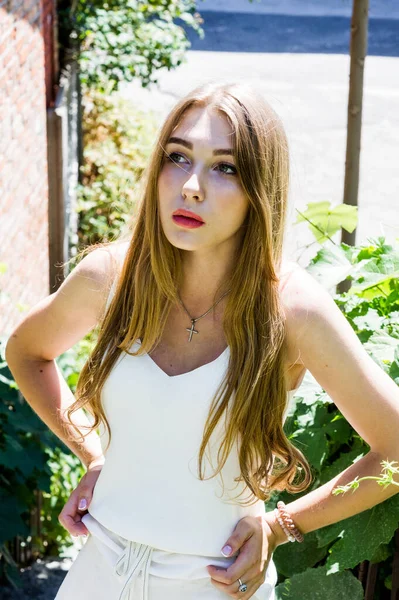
(134, 559)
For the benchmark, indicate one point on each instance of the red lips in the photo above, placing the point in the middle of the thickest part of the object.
(187, 213)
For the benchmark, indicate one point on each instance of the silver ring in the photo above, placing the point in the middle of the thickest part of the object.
(243, 586)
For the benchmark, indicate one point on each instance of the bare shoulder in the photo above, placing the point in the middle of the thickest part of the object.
(299, 289)
(90, 282)
(302, 297)
(288, 267)
(101, 265)
(103, 261)
(63, 318)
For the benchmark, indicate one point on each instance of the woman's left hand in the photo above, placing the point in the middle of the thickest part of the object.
(255, 540)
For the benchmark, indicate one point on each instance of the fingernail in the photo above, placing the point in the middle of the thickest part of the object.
(83, 503)
(226, 551)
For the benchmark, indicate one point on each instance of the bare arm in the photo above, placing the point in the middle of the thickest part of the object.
(51, 327)
(363, 392)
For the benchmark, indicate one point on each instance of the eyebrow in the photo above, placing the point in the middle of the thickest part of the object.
(177, 140)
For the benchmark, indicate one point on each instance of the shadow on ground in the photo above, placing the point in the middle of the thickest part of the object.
(41, 580)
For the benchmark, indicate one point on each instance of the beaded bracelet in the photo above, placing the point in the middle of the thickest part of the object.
(286, 523)
(283, 527)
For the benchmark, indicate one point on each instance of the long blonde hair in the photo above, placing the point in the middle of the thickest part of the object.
(254, 390)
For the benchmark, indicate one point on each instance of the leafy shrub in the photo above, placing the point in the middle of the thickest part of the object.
(117, 142)
(33, 458)
(23, 466)
(330, 556)
(122, 40)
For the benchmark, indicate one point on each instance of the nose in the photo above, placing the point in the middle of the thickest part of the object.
(192, 188)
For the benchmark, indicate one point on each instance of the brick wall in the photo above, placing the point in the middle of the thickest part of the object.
(26, 88)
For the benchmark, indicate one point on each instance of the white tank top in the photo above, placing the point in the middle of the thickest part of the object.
(148, 489)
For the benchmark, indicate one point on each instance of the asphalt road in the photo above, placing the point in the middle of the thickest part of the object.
(378, 9)
(249, 32)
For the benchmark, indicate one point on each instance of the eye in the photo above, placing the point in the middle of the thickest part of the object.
(174, 157)
(229, 167)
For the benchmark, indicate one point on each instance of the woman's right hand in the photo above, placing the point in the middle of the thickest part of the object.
(71, 515)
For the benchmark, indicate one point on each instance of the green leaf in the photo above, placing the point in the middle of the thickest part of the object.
(317, 428)
(376, 247)
(310, 392)
(313, 443)
(330, 266)
(345, 216)
(343, 461)
(381, 346)
(375, 276)
(315, 584)
(338, 429)
(24, 419)
(11, 523)
(360, 535)
(371, 321)
(325, 221)
(22, 456)
(394, 371)
(289, 561)
(383, 552)
(7, 391)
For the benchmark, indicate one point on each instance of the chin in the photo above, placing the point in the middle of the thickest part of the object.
(178, 242)
(181, 245)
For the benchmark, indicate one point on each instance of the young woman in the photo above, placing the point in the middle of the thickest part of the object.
(205, 332)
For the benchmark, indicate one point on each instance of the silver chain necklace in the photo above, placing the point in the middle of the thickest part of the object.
(193, 321)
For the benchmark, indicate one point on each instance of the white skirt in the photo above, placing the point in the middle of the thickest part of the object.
(110, 567)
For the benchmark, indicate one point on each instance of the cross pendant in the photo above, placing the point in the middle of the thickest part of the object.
(191, 330)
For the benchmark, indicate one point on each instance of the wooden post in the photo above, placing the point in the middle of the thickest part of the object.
(395, 569)
(371, 581)
(358, 51)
